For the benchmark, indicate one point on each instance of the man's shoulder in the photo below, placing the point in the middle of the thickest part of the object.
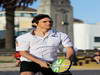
(58, 33)
(26, 35)
(55, 31)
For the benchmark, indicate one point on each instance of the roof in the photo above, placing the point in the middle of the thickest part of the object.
(22, 8)
(78, 20)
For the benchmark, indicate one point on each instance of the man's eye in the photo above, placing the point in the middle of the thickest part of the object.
(50, 22)
(47, 21)
(44, 21)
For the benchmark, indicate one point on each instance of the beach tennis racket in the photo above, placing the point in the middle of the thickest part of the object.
(61, 65)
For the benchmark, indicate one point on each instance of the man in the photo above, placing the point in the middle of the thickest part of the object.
(96, 57)
(39, 47)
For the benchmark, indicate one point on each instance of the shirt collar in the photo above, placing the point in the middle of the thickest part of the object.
(49, 33)
(52, 32)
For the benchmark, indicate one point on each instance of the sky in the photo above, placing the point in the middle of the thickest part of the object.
(85, 10)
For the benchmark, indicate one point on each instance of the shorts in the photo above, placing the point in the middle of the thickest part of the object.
(34, 67)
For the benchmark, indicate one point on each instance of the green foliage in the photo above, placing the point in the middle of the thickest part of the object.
(4, 3)
(10, 6)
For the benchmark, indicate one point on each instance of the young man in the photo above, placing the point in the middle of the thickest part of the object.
(96, 57)
(39, 47)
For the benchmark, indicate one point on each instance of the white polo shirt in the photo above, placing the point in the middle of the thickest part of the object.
(44, 48)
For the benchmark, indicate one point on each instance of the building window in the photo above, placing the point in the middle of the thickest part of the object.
(97, 39)
(33, 14)
(22, 15)
(61, 2)
(25, 14)
(2, 14)
(17, 14)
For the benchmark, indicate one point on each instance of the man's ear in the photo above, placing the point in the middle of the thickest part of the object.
(34, 24)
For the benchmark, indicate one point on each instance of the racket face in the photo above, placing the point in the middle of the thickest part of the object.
(61, 65)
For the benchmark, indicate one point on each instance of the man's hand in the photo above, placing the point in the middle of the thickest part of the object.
(69, 52)
(34, 59)
(43, 64)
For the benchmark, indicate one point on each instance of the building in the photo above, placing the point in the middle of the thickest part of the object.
(61, 12)
(86, 36)
(23, 18)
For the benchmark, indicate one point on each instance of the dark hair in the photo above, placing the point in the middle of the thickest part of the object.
(39, 17)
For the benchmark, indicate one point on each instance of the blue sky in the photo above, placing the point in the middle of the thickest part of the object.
(86, 10)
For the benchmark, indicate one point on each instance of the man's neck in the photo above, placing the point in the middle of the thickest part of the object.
(40, 32)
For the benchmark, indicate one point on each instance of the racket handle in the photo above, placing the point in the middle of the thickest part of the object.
(48, 64)
(68, 58)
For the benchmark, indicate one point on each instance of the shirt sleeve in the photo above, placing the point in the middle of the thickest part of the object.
(22, 44)
(66, 42)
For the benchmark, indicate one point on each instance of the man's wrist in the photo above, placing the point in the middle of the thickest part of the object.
(68, 58)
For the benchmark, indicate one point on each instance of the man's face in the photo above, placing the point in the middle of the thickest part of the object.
(45, 23)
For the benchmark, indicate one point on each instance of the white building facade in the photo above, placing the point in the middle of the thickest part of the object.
(23, 21)
(86, 36)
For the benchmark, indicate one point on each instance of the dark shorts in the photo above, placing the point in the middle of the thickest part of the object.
(34, 67)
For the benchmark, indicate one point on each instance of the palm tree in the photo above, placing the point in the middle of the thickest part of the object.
(9, 7)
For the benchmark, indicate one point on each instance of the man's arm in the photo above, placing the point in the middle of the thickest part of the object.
(69, 52)
(34, 59)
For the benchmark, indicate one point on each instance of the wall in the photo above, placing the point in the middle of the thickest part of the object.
(84, 35)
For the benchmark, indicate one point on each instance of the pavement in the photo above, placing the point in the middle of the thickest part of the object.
(89, 66)
(86, 69)
(9, 68)
(78, 72)
(8, 63)
(12, 67)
